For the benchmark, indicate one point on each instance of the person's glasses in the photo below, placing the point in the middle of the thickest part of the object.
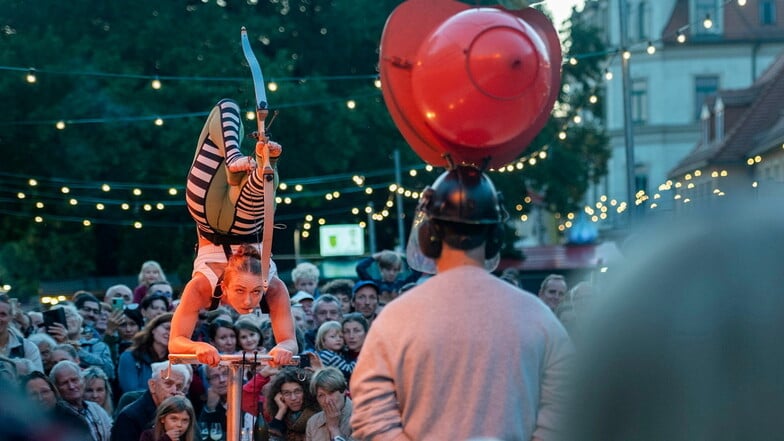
(291, 393)
(162, 293)
(93, 310)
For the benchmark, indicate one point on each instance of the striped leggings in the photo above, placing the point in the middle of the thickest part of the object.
(220, 201)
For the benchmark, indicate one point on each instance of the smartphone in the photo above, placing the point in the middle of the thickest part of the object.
(52, 316)
(118, 303)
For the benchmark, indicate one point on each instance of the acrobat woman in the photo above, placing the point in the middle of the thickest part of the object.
(225, 196)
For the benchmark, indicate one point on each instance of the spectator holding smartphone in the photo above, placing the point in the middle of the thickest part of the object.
(13, 344)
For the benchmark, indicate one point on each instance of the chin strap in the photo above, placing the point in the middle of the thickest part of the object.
(263, 158)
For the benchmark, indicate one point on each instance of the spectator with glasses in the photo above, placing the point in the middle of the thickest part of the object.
(290, 404)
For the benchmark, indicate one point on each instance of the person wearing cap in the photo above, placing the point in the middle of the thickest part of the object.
(305, 299)
(514, 355)
(364, 299)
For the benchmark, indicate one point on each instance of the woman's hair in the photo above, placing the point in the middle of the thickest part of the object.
(34, 375)
(41, 337)
(151, 264)
(175, 404)
(142, 341)
(147, 301)
(245, 260)
(290, 374)
(322, 332)
(96, 373)
(356, 317)
(248, 325)
(330, 379)
(305, 271)
(212, 329)
(67, 348)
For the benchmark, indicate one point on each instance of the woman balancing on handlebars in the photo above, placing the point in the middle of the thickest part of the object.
(225, 196)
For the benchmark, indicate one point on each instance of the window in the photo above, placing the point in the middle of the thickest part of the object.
(640, 178)
(639, 98)
(642, 21)
(704, 86)
(767, 12)
(702, 9)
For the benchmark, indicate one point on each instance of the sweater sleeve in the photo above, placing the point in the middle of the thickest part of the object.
(331, 358)
(362, 268)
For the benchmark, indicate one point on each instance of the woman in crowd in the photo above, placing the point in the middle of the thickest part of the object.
(333, 422)
(174, 421)
(97, 388)
(45, 344)
(151, 272)
(154, 305)
(42, 392)
(248, 335)
(149, 345)
(223, 336)
(290, 404)
(355, 329)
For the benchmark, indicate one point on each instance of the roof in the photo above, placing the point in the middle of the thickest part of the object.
(752, 115)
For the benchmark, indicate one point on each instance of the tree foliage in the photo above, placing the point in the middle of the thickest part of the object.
(297, 42)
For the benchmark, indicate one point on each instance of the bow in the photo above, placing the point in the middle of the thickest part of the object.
(262, 152)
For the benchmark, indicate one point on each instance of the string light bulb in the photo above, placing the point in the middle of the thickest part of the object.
(680, 37)
(741, 2)
(707, 23)
(272, 86)
(651, 48)
(30, 78)
(608, 75)
(156, 83)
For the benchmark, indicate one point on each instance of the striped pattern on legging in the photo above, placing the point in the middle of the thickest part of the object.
(201, 182)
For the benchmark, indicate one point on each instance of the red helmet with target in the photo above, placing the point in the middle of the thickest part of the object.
(476, 84)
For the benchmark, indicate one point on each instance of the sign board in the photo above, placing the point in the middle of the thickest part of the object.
(341, 240)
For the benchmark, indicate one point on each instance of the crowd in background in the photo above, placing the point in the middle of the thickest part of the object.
(96, 362)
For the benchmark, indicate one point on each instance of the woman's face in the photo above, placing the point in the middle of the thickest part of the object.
(243, 292)
(345, 303)
(156, 308)
(293, 395)
(354, 334)
(160, 334)
(95, 390)
(128, 329)
(225, 340)
(176, 423)
(249, 340)
(336, 398)
(333, 340)
(39, 391)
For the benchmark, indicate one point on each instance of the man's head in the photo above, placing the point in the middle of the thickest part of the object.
(461, 209)
(88, 306)
(552, 290)
(166, 382)
(300, 319)
(326, 308)
(121, 291)
(389, 264)
(342, 290)
(66, 376)
(218, 379)
(365, 299)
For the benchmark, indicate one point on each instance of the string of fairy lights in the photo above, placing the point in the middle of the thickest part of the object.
(135, 199)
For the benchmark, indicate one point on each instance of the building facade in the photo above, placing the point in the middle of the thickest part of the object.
(682, 52)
